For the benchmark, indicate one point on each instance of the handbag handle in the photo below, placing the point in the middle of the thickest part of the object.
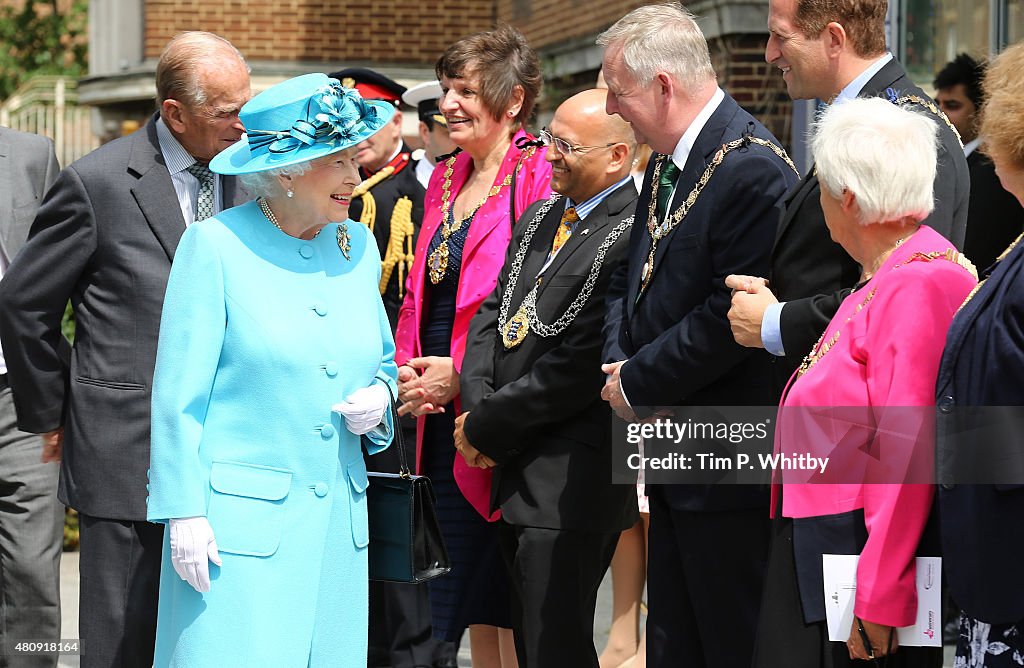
(398, 438)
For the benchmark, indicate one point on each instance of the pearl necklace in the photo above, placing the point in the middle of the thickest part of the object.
(265, 208)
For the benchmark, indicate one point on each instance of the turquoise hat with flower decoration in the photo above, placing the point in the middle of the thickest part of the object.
(298, 120)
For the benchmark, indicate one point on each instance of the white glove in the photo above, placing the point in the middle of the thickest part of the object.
(192, 549)
(364, 409)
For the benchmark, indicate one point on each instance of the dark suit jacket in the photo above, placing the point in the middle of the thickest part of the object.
(28, 167)
(994, 217)
(536, 409)
(676, 337)
(982, 527)
(812, 273)
(103, 239)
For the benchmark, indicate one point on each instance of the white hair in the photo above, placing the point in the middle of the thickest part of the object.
(661, 38)
(885, 155)
(265, 184)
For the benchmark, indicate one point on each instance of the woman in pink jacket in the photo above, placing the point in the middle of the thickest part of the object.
(863, 397)
(491, 82)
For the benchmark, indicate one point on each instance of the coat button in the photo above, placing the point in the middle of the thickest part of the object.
(320, 489)
(320, 309)
(946, 404)
(948, 485)
(326, 432)
(331, 369)
(306, 251)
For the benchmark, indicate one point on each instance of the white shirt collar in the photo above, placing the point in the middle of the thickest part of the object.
(971, 146)
(854, 88)
(685, 144)
(424, 168)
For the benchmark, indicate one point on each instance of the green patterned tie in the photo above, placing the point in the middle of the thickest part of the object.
(666, 181)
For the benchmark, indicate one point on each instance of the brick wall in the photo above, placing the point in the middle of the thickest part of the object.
(554, 22)
(550, 25)
(757, 86)
(388, 32)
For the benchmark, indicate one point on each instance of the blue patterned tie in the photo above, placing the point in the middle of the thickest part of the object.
(204, 201)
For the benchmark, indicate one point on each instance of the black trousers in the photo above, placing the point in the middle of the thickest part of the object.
(400, 630)
(554, 576)
(705, 572)
(119, 570)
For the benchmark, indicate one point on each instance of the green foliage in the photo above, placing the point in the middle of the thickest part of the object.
(67, 323)
(42, 38)
(70, 530)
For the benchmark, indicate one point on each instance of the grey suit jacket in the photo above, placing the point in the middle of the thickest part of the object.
(28, 167)
(104, 239)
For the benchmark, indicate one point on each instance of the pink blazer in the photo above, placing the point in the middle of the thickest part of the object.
(482, 258)
(873, 393)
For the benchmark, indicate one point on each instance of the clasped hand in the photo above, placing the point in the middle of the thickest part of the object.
(474, 458)
(426, 385)
(750, 299)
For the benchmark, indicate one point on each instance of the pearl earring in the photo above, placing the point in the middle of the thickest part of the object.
(511, 113)
(290, 193)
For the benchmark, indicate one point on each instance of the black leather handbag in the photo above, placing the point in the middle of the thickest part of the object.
(405, 537)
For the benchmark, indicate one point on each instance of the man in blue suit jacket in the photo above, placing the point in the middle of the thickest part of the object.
(668, 338)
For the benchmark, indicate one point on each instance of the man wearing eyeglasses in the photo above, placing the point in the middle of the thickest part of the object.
(702, 214)
(531, 384)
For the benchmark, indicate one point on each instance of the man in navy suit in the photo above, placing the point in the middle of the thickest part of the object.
(833, 51)
(668, 339)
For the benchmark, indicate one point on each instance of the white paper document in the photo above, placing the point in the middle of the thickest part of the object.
(840, 572)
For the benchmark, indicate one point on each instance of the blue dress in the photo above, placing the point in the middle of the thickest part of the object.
(261, 334)
(476, 589)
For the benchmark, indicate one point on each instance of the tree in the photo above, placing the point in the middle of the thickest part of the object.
(42, 38)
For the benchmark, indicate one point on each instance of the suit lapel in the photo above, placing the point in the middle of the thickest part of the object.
(6, 198)
(794, 200)
(707, 143)
(892, 75)
(232, 193)
(154, 191)
(593, 227)
(537, 254)
(640, 238)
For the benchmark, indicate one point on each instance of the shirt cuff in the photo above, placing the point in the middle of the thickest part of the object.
(771, 330)
(622, 390)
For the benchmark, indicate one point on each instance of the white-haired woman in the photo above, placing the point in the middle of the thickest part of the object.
(275, 357)
(864, 397)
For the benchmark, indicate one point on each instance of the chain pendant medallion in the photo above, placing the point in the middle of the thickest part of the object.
(516, 329)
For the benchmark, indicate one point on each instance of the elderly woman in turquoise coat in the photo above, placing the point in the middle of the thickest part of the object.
(275, 367)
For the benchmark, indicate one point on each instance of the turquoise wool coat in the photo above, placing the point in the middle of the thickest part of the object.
(261, 334)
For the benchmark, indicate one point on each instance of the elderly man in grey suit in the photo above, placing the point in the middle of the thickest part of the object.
(31, 517)
(104, 239)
